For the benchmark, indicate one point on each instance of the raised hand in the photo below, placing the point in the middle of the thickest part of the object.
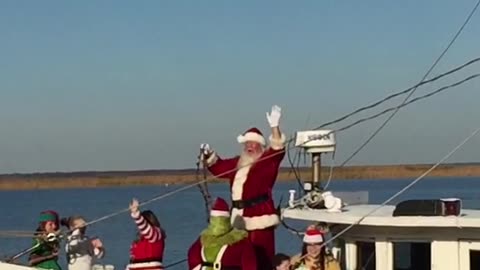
(274, 116)
(206, 151)
(134, 206)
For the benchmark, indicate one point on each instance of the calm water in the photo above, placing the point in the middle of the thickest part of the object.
(183, 214)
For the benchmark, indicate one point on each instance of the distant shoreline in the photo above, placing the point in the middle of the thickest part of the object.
(68, 180)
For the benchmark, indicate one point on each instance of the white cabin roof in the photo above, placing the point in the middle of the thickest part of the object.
(8, 266)
(383, 217)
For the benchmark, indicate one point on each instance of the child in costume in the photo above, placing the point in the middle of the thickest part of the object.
(81, 250)
(146, 252)
(220, 246)
(45, 253)
(314, 256)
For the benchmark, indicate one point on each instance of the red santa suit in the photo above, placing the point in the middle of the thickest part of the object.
(251, 186)
(146, 253)
(220, 246)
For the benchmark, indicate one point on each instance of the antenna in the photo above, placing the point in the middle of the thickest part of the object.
(316, 142)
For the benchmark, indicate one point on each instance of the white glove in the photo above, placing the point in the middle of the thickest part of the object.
(206, 151)
(51, 237)
(274, 116)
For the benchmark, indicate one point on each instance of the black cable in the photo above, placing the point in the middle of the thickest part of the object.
(413, 91)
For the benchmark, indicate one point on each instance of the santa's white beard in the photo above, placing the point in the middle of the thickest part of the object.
(247, 159)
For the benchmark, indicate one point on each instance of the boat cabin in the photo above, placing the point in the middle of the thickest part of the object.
(413, 235)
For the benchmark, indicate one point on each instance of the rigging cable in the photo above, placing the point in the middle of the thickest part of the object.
(295, 172)
(175, 263)
(413, 91)
(409, 102)
(361, 109)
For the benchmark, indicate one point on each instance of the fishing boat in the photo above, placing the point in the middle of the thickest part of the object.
(411, 235)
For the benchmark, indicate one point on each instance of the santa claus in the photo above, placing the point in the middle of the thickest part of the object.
(220, 246)
(252, 175)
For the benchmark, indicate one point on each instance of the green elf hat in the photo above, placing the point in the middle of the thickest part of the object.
(48, 216)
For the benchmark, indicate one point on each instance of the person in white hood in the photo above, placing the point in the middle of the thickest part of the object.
(81, 249)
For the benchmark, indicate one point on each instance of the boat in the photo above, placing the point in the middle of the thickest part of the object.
(433, 234)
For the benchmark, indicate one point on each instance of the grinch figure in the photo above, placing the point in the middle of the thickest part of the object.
(220, 246)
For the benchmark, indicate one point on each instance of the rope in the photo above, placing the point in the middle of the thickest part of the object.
(295, 171)
(175, 263)
(278, 152)
(203, 187)
(330, 174)
(411, 93)
(19, 234)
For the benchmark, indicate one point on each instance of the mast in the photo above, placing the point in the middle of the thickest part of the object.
(316, 143)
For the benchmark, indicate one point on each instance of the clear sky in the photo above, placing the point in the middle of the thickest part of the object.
(122, 85)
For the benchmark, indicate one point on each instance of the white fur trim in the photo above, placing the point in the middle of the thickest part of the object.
(313, 239)
(253, 223)
(212, 159)
(135, 214)
(277, 144)
(238, 181)
(144, 264)
(251, 136)
(219, 213)
(202, 253)
(217, 264)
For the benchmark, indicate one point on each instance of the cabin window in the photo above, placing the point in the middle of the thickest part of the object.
(365, 255)
(412, 256)
(474, 259)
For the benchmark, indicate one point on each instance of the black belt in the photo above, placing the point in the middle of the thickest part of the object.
(240, 204)
(209, 264)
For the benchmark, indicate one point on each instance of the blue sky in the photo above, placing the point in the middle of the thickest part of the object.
(121, 85)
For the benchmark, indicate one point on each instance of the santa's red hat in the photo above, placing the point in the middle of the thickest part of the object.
(220, 209)
(313, 236)
(253, 134)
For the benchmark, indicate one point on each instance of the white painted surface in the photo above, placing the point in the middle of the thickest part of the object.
(383, 217)
(350, 255)
(8, 266)
(445, 255)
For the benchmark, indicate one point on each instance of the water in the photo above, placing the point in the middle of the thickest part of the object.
(183, 214)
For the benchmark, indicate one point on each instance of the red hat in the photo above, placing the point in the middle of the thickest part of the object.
(253, 134)
(220, 208)
(313, 236)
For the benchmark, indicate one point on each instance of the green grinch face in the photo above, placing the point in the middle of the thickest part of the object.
(219, 225)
